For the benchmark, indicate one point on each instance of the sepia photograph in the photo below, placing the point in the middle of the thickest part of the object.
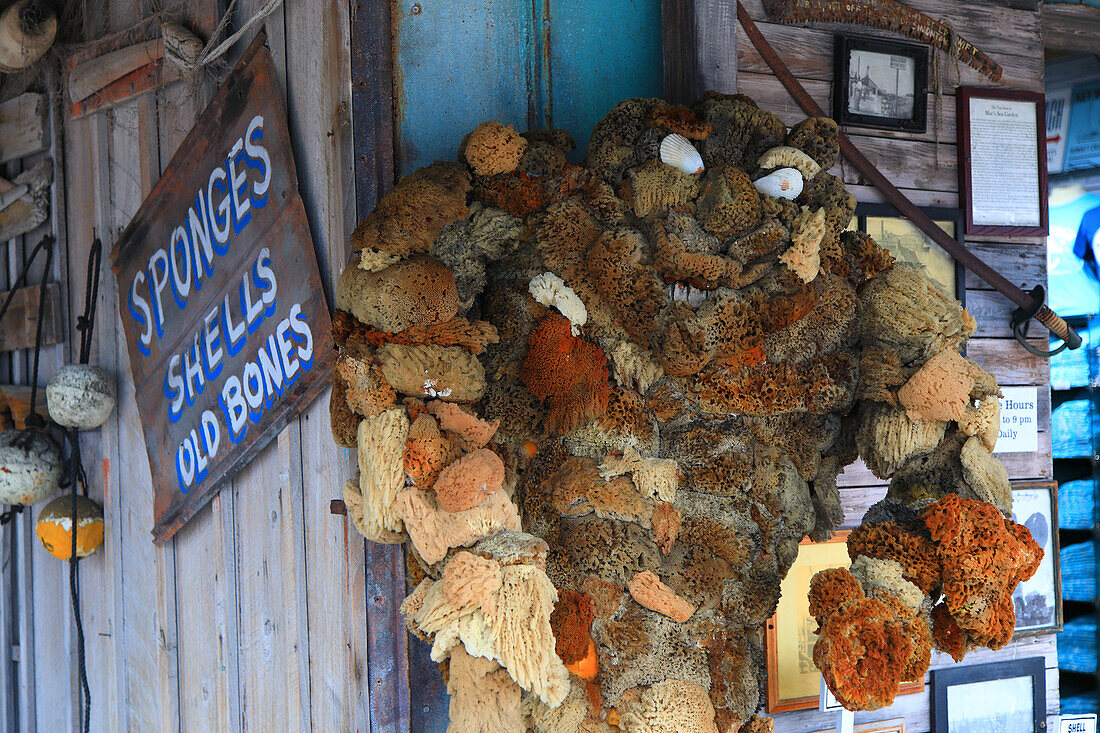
(880, 83)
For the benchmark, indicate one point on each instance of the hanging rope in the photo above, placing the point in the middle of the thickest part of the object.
(34, 420)
(78, 477)
(85, 323)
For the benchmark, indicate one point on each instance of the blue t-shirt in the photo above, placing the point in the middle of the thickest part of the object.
(1072, 287)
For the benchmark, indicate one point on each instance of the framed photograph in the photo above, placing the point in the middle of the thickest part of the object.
(1002, 160)
(1038, 601)
(880, 83)
(897, 725)
(794, 681)
(1006, 697)
(901, 237)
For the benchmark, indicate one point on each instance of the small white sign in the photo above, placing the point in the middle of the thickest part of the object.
(1058, 102)
(1019, 420)
(1078, 723)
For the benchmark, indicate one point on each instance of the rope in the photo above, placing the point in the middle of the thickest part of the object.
(34, 420)
(210, 55)
(85, 323)
(78, 477)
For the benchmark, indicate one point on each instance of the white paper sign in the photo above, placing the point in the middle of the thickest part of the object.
(1019, 420)
(1078, 724)
(1004, 163)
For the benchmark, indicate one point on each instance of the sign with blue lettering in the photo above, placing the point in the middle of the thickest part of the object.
(221, 300)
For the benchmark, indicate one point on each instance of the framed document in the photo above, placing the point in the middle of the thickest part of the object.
(1002, 160)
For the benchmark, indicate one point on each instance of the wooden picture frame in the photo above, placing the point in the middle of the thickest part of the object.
(1035, 505)
(909, 244)
(864, 95)
(961, 694)
(1006, 151)
(793, 680)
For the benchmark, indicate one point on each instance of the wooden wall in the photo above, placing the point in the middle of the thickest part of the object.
(252, 617)
(255, 616)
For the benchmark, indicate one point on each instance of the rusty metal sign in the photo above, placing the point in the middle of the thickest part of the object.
(887, 15)
(225, 318)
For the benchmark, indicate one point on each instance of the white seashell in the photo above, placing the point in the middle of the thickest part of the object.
(785, 183)
(677, 151)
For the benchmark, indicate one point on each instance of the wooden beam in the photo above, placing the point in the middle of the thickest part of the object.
(1071, 27)
(22, 126)
(678, 50)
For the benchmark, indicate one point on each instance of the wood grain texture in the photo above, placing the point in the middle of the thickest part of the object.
(23, 128)
(19, 326)
(678, 51)
(1070, 27)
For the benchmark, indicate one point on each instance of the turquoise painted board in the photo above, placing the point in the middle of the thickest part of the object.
(528, 63)
(600, 53)
(457, 63)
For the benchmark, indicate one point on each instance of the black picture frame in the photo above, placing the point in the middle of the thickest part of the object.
(937, 213)
(947, 719)
(868, 91)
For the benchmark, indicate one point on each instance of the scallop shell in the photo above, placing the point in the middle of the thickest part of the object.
(677, 151)
(785, 183)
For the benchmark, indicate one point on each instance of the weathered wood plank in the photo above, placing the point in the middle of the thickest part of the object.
(809, 53)
(23, 128)
(333, 561)
(135, 167)
(206, 590)
(1010, 37)
(1070, 27)
(716, 53)
(678, 51)
(19, 325)
(907, 163)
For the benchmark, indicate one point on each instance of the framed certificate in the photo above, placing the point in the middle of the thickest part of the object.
(1002, 160)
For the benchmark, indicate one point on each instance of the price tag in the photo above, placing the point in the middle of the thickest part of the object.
(1019, 421)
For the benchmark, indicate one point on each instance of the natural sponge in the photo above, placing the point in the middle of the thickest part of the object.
(418, 291)
(493, 148)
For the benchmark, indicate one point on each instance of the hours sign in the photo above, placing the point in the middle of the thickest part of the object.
(225, 317)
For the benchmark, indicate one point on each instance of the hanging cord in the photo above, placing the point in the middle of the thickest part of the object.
(85, 323)
(76, 478)
(34, 420)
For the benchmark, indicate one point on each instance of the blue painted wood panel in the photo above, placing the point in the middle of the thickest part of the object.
(601, 53)
(528, 63)
(457, 63)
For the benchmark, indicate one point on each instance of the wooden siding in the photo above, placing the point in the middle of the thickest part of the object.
(258, 615)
